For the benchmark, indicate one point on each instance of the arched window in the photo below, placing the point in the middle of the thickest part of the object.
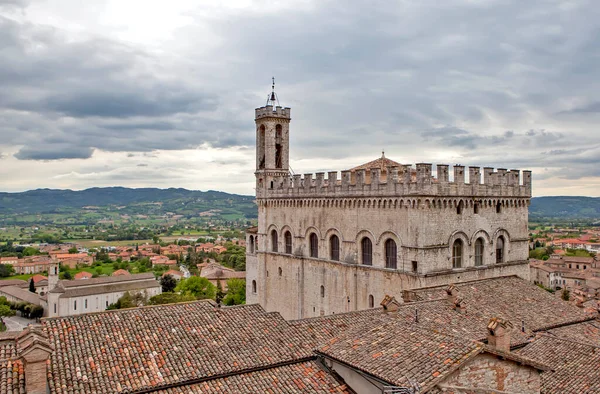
(367, 251)
(288, 242)
(261, 147)
(499, 207)
(371, 301)
(476, 208)
(322, 291)
(274, 240)
(280, 271)
(457, 253)
(500, 250)
(334, 248)
(391, 254)
(459, 208)
(314, 245)
(251, 244)
(254, 286)
(278, 145)
(479, 251)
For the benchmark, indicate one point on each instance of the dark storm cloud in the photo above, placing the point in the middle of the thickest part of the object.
(456, 137)
(54, 152)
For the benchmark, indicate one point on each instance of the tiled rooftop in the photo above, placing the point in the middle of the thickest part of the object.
(400, 354)
(112, 352)
(574, 364)
(12, 377)
(305, 377)
(513, 299)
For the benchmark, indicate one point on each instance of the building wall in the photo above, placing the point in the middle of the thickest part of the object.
(488, 372)
(95, 303)
(296, 293)
(422, 234)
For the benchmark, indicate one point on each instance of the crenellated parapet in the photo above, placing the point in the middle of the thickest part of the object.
(402, 181)
(268, 112)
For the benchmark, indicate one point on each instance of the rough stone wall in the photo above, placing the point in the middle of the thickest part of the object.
(487, 372)
(422, 234)
(296, 292)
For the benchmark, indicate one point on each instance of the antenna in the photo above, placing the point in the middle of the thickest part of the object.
(273, 96)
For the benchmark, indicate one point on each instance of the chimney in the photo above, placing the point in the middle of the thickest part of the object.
(499, 331)
(390, 304)
(459, 305)
(409, 296)
(34, 349)
(452, 292)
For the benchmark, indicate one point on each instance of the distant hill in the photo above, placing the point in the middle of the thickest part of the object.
(96, 203)
(565, 208)
(50, 203)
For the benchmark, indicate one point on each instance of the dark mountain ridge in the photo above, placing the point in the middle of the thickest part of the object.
(42, 201)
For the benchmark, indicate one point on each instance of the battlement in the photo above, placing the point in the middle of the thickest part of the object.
(268, 112)
(405, 181)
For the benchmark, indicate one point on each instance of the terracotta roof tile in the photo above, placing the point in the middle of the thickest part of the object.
(155, 346)
(307, 377)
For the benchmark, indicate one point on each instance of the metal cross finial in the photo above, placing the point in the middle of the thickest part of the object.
(273, 78)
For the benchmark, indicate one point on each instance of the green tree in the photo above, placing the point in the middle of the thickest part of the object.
(67, 275)
(29, 251)
(565, 294)
(73, 250)
(6, 270)
(236, 292)
(170, 298)
(5, 311)
(31, 285)
(199, 287)
(99, 270)
(168, 283)
(220, 294)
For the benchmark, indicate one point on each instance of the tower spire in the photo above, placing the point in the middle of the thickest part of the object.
(272, 98)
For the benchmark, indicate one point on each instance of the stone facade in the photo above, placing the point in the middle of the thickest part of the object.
(335, 245)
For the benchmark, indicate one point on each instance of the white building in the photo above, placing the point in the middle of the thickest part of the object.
(75, 297)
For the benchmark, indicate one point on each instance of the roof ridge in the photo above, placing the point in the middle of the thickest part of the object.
(569, 340)
(209, 301)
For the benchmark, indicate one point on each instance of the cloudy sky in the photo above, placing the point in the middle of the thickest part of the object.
(160, 93)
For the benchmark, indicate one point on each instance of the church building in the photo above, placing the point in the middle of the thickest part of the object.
(334, 242)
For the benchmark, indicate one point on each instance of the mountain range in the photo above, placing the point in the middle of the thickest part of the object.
(191, 202)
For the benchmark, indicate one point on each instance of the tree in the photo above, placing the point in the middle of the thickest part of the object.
(5, 311)
(170, 298)
(6, 270)
(73, 250)
(168, 283)
(219, 294)
(236, 292)
(67, 275)
(31, 285)
(565, 295)
(199, 287)
(99, 271)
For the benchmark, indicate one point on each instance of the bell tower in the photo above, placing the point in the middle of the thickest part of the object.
(272, 143)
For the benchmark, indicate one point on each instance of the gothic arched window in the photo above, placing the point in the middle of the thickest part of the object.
(278, 147)
(391, 254)
(251, 244)
(479, 251)
(274, 240)
(288, 242)
(314, 245)
(457, 253)
(334, 248)
(371, 301)
(366, 247)
(254, 286)
(500, 250)
(322, 291)
(261, 147)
